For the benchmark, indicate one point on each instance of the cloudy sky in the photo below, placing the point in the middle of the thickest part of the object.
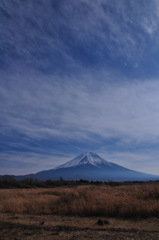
(79, 76)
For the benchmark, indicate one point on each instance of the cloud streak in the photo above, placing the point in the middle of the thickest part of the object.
(25, 163)
(76, 76)
(46, 35)
(48, 108)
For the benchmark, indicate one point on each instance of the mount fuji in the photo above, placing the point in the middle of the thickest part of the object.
(90, 166)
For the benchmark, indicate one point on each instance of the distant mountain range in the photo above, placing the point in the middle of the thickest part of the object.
(90, 166)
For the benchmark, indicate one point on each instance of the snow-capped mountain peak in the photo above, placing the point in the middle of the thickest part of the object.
(86, 158)
(89, 166)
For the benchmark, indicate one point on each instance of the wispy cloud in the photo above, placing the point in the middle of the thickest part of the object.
(75, 109)
(20, 163)
(78, 74)
(59, 36)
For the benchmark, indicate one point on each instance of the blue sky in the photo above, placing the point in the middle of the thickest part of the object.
(79, 76)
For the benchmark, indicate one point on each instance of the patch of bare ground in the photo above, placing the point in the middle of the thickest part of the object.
(49, 227)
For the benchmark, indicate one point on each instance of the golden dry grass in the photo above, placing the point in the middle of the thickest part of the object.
(122, 201)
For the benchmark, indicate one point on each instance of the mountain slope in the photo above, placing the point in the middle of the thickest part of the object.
(90, 166)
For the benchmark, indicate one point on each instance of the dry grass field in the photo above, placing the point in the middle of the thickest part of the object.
(120, 201)
(132, 212)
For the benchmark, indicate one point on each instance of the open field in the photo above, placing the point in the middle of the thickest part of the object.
(119, 201)
(125, 212)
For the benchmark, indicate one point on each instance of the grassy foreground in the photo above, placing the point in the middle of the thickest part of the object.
(128, 201)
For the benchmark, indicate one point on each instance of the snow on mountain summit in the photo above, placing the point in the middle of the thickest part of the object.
(89, 166)
(86, 158)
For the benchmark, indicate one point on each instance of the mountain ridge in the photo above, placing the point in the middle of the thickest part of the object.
(90, 166)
